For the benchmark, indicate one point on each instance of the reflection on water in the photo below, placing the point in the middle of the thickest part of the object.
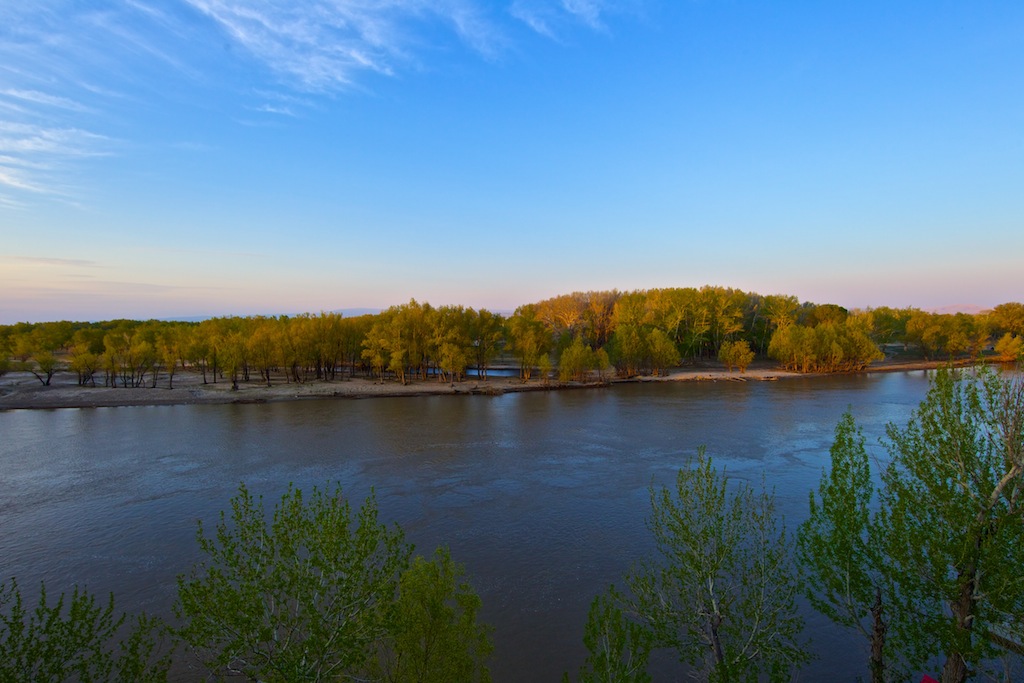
(541, 495)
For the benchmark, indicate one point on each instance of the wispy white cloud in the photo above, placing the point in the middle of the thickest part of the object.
(326, 44)
(552, 18)
(17, 180)
(36, 97)
(532, 16)
(71, 72)
(10, 202)
(282, 103)
(587, 11)
(275, 109)
(33, 157)
(47, 119)
(62, 262)
(18, 138)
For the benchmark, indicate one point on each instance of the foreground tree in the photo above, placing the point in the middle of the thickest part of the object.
(303, 598)
(952, 506)
(838, 545)
(722, 592)
(322, 593)
(617, 647)
(75, 639)
(433, 635)
(943, 549)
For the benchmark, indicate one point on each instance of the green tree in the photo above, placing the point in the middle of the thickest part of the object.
(617, 648)
(838, 545)
(723, 591)
(83, 361)
(487, 333)
(828, 347)
(1010, 348)
(450, 344)
(664, 353)
(1009, 317)
(434, 636)
(544, 368)
(576, 362)
(889, 325)
(305, 597)
(736, 354)
(779, 311)
(377, 348)
(43, 366)
(76, 639)
(952, 506)
(630, 349)
(529, 339)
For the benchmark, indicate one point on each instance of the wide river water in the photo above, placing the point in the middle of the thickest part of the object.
(542, 496)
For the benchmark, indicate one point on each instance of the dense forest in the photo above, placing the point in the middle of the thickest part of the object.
(578, 336)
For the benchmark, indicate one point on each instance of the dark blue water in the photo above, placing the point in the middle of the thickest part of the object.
(542, 496)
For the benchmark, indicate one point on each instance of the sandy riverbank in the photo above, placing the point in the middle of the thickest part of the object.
(20, 390)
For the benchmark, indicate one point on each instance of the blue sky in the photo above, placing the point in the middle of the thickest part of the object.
(238, 157)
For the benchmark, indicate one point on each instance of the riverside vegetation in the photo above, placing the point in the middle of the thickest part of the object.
(922, 560)
(578, 337)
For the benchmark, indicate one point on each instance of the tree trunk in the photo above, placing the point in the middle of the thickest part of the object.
(877, 640)
(716, 645)
(955, 669)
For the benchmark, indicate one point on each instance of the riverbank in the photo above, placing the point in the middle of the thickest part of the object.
(21, 390)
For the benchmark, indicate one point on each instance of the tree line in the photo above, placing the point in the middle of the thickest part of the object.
(579, 336)
(921, 559)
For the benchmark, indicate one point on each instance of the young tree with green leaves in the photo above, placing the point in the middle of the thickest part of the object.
(618, 648)
(76, 639)
(304, 596)
(722, 592)
(576, 362)
(433, 634)
(952, 507)
(322, 593)
(664, 354)
(838, 546)
(487, 334)
(528, 338)
(736, 354)
(945, 546)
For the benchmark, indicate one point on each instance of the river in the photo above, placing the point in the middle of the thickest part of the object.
(542, 496)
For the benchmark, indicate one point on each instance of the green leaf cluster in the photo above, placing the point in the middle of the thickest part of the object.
(76, 639)
(940, 551)
(321, 592)
(721, 591)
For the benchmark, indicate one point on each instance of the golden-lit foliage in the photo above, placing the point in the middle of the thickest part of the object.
(582, 334)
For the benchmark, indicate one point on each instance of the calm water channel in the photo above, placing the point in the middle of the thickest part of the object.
(541, 495)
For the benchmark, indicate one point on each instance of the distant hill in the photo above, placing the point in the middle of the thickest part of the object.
(970, 309)
(353, 312)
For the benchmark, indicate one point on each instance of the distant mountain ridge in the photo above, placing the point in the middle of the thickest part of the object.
(971, 309)
(354, 312)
